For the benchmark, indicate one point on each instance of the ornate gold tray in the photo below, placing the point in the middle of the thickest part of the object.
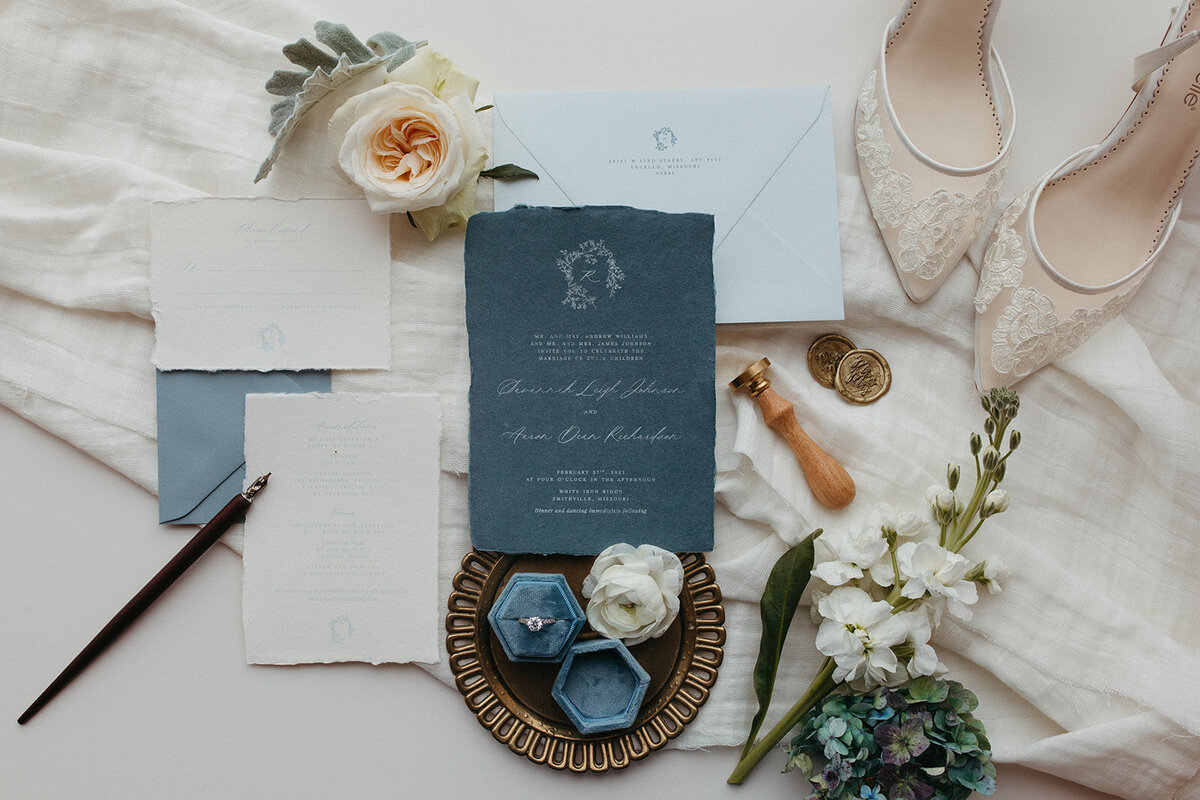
(513, 700)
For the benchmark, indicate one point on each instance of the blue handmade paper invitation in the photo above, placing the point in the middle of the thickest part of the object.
(591, 334)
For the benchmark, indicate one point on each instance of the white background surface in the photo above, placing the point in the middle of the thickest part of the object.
(173, 710)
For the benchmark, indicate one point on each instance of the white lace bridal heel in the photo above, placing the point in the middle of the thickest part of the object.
(1069, 254)
(932, 129)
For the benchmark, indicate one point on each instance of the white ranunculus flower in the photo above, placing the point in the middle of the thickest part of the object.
(931, 569)
(633, 592)
(858, 633)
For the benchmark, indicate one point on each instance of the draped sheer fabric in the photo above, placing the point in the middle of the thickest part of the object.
(1087, 665)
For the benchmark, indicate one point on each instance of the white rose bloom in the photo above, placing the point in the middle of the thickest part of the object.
(633, 592)
(858, 633)
(929, 568)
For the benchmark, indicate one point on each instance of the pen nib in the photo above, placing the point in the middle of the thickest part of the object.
(256, 487)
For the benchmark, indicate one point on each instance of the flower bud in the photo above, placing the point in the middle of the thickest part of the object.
(943, 501)
(1014, 440)
(988, 574)
(940, 498)
(999, 473)
(976, 444)
(991, 457)
(995, 503)
(989, 426)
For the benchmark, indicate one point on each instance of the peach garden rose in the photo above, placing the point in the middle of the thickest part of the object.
(414, 144)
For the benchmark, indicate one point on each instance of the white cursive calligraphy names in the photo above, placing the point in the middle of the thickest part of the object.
(592, 390)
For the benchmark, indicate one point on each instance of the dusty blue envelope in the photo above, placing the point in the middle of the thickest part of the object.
(759, 160)
(201, 429)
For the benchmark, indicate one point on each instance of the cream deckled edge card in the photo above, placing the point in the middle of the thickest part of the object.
(341, 554)
(265, 284)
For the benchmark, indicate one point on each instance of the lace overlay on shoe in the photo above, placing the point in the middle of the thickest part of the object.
(931, 229)
(1029, 334)
(1004, 257)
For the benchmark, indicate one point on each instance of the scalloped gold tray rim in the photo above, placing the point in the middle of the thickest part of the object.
(526, 733)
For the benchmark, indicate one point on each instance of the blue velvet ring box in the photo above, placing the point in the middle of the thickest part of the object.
(601, 686)
(535, 594)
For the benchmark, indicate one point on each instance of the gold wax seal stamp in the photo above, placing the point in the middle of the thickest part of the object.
(824, 355)
(862, 376)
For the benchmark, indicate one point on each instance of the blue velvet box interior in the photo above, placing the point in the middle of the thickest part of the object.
(534, 594)
(601, 686)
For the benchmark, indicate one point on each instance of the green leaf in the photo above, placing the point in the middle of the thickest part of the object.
(927, 689)
(780, 597)
(508, 172)
(488, 107)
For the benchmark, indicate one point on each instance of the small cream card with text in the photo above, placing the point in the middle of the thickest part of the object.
(264, 284)
(341, 549)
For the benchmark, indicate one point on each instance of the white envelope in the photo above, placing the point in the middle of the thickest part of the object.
(760, 160)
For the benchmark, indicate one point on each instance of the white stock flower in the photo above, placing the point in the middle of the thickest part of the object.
(994, 572)
(934, 570)
(924, 659)
(911, 525)
(843, 556)
(633, 592)
(858, 633)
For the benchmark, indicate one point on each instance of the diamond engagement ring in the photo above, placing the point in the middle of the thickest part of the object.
(535, 624)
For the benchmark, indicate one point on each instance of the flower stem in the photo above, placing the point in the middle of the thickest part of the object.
(967, 538)
(822, 684)
(954, 541)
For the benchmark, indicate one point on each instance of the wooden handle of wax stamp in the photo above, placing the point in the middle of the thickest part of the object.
(831, 484)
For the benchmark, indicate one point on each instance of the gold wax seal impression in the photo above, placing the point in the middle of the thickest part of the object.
(862, 377)
(824, 355)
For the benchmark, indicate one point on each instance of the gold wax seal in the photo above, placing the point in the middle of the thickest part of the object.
(862, 377)
(824, 355)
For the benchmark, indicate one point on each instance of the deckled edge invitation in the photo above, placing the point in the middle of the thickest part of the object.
(341, 550)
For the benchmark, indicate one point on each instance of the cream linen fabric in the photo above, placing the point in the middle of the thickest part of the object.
(1087, 665)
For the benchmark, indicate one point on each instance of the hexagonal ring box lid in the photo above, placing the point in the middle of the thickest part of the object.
(601, 686)
(536, 596)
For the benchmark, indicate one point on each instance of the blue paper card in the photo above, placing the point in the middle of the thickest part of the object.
(201, 430)
(592, 342)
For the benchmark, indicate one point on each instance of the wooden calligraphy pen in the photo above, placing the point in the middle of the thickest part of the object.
(830, 483)
(233, 511)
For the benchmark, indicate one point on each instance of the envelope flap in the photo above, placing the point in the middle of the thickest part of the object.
(693, 150)
(200, 433)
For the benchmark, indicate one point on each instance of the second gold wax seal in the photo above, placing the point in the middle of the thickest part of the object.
(862, 376)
